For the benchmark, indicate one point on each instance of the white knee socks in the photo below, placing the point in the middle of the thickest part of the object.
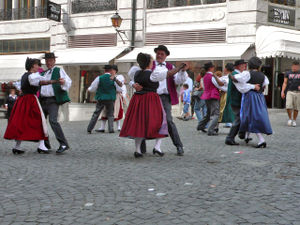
(247, 135)
(138, 142)
(118, 124)
(157, 144)
(102, 124)
(42, 145)
(260, 138)
(18, 145)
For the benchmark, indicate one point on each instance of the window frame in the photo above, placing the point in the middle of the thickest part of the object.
(20, 44)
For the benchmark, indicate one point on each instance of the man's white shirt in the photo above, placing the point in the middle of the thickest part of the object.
(95, 84)
(47, 90)
(243, 78)
(159, 74)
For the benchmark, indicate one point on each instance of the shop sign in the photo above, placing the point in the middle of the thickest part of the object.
(282, 16)
(53, 11)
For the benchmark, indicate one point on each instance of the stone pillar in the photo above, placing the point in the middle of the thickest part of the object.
(37, 9)
(15, 7)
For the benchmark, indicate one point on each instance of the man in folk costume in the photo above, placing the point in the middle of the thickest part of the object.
(167, 92)
(52, 96)
(119, 102)
(211, 96)
(234, 98)
(105, 87)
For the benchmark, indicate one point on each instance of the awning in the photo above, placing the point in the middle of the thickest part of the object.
(277, 42)
(194, 52)
(87, 56)
(12, 67)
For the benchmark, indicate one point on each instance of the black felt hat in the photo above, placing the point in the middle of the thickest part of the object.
(49, 55)
(107, 67)
(254, 62)
(229, 66)
(115, 67)
(239, 62)
(208, 65)
(162, 48)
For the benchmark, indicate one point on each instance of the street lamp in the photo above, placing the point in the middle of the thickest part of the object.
(116, 21)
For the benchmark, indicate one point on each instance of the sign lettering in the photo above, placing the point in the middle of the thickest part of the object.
(53, 11)
(281, 16)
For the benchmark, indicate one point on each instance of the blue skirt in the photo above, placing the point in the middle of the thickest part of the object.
(254, 114)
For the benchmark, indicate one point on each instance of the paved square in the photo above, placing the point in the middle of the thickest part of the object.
(100, 182)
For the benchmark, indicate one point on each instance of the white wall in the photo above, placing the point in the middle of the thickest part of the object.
(186, 18)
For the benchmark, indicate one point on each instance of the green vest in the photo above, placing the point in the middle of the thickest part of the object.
(106, 88)
(234, 97)
(60, 95)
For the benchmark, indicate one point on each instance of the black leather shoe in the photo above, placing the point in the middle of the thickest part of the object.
(212, 134)
(47, 144)
(41, 151)
(61, 149)
(247, 140)
(138, 155)
(242, 135)
(262, 145)
(89, 132)
(202, 129)
(100, 131)
(17, 151)
(155, 151)
(112, 131)
(231, 142)
(180, 151)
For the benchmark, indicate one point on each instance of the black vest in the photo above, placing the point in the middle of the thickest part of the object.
(257, 78)
(26, 87)
(143, 78)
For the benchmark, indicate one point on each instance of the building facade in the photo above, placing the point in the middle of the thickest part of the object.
(195, 31)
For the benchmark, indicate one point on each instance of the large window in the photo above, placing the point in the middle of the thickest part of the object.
(284, 2)
(173, 3)
(85, 6)
(6, 13)
(26, 9)
(24, 45)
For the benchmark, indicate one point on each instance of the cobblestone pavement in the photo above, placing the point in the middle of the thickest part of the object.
(100, 182)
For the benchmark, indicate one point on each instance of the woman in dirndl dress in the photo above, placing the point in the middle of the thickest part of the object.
(27, 121)
(254, 113)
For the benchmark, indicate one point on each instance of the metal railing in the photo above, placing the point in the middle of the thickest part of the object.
(152, 4)
(284, 2)
(23, 13)
(85, 6)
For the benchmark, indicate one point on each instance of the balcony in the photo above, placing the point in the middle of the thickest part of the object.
(152, 4)
(23, 13)
(284, 2)
(86, 6)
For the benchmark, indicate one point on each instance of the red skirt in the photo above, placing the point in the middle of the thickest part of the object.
(118, 109)
(144, 117)
(25, 122)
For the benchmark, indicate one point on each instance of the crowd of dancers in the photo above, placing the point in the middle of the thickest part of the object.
(234, 97)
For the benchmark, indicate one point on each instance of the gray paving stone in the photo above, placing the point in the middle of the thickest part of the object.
(259, 186)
